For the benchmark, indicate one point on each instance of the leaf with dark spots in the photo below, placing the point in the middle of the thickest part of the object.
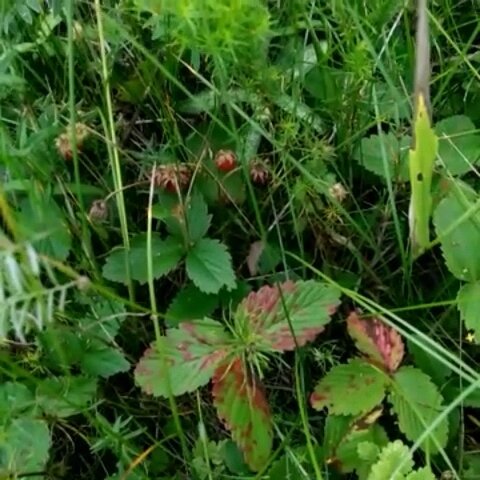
(354, 388)
(265, 314)
(241, 405)
(378, 341)
(184, 360)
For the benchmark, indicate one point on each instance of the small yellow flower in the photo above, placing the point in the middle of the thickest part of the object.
(470, 338)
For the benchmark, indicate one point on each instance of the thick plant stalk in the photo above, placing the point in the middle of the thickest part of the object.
(424, 145)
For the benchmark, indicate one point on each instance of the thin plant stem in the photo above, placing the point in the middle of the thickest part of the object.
(113, 151)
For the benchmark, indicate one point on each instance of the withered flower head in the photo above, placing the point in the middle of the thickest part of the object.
(98, 211)
(172, 176)
(259, 172)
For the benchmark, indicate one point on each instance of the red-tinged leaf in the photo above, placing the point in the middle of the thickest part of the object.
(184, 360)
(243, 408)
(378, 341)
(264, 316)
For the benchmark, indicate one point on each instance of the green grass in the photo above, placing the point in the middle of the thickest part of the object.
(315, 95)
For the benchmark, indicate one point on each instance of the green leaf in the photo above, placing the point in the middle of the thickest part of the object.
(422, 474)
(458, 144)
(371, 151)
(198, 219)
(190, 355)
(242, 406)
(296, 464)
(15, 398)
(460, 246)
(100, 359)
(336, 428)
(104, 321)
(421, 161)
(377, 340)
(24, 446)
(435, 369)
(344, 435)
(65, 396)
(166, 255)
(391, 457)
(417, 402)
(43, 224)
(468, 301)
(233, 458)
(265, 314)
(356, 379)
(189, 304)
(347, 454)
(209, 266)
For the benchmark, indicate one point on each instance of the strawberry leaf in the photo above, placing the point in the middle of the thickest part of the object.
(417, 402)
(265, 314)
(189, 356)
(378, 341)
(355, 380)
(242, 406)
(198, 219)
(468, 301)
(190, 303)
(209, 266)
(166, 254)
(460, 245)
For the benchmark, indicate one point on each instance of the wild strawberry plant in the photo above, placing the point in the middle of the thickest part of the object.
(355, 393)
(271, 320)
(207, 261)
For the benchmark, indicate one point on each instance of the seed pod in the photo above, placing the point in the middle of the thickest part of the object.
(259, 172)
(98, 211)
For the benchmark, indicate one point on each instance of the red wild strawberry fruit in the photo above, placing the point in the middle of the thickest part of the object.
(225, 160)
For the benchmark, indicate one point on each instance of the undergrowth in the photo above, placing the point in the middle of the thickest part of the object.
(205, 264)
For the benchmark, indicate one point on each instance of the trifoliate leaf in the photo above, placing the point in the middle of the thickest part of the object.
(166, 254)
(209, 266)
(393, 456)
(103, 360)
(377, 340)
(459, 246)
(24, 446)
(242, 406)
(65, 396)
(468, 301)
(198, 219)
(385, 155)
(265, 314)
(189, 304)
(188, 358)
(357, 380)
(458, 144)
(417, 402)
